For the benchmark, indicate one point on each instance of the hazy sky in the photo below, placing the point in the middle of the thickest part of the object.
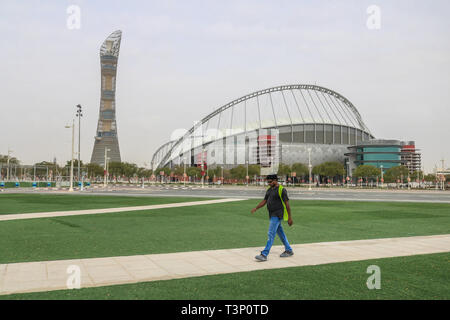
(179, 60)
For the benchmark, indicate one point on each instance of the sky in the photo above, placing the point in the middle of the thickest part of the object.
(180, 60)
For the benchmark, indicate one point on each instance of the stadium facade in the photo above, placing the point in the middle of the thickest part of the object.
(284, 124)
(106, 137)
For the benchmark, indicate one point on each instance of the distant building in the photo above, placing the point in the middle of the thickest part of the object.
(106, 137)
(410, 157)
(383, 154)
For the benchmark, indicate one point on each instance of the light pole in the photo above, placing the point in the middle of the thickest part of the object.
(184, 174)
(382, 179)
(310, 167)
(222, 175)
(79, 115)
(409, 179)
(106, 167)
(143, 176)
(71, 158)
(423, 176)
(246, 177)
(436, 176)
(203, 168)
(7, 161)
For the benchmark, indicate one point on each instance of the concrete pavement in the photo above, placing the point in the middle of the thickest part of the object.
(95, 272)
(19, 216)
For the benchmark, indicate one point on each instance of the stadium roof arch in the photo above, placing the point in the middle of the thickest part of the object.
(278, 107)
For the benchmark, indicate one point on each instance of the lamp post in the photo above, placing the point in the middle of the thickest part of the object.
(79, 115)
(203, 168)
(105, 182)
(222, 175)
(409, 179)
(184, 174)
(247, 177)
(7, 161)
(107, 169)
(436, 176)
(310, 167)
(71, 158)
(143, 176)
(382, 179)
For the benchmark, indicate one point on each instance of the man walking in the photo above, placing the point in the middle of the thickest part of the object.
(277, 206)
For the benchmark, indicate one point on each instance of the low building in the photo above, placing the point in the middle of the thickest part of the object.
(383, 154)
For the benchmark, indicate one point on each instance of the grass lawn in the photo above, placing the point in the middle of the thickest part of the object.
(213, 226)
(27, 203)
(413, 277)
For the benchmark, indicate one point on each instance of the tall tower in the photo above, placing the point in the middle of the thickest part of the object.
(106, 136)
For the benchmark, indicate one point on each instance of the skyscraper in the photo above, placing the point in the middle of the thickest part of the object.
(106, 137)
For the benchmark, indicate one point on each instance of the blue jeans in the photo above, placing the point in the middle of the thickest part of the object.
(275, 228)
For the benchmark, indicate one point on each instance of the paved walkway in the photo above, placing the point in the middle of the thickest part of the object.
(19, 216)
(53, 275)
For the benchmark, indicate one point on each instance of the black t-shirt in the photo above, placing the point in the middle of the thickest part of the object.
(274, 204)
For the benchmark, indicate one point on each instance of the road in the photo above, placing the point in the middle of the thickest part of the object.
(253, 192)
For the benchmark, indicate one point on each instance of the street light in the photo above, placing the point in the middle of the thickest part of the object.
(7, 161)
(79, 115)
(184, 174)
(246, 177)
(203, 168)
(382, 179)
(106, 167)
(71, 158)
(143, 176)
(409, 179)
(310, 167)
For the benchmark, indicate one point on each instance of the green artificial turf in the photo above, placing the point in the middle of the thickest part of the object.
(213, 226)
(412, 277)
(27, 203)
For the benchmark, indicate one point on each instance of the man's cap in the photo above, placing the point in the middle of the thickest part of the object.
(272, 177)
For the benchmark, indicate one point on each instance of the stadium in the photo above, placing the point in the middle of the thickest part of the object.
(284, 124)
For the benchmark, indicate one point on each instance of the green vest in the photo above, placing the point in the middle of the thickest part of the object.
(285, 213)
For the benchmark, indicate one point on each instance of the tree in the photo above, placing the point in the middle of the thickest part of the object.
(284, 169)
(300, 169)
(144, 173)
(195, 172)
(417, 174)
(115, 169)
(94, 170)
(217, 171)
(431, 177)
(75, 163)
(317, 170)
(238, 172)
(367, 171)
(165, 170)
(394, 173)
(129, 170)
(12, 160)
(254, 169)
(178, 170)
(329, 169)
